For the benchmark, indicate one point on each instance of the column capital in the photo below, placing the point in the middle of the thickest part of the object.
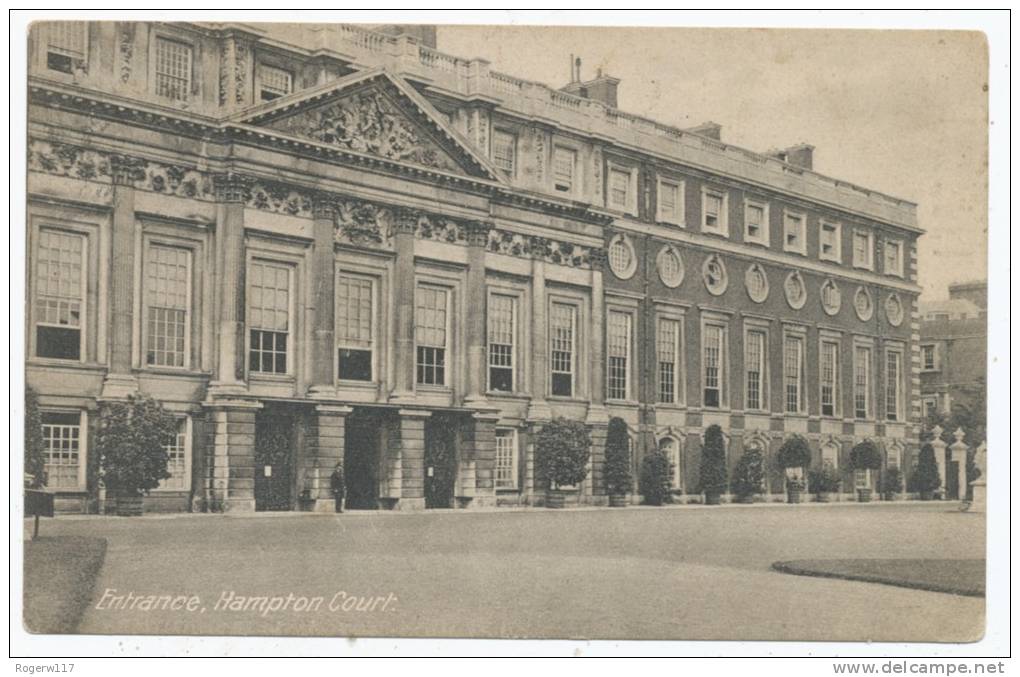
(405, 221)
(598, 258)
(323, 207)
(231, 187)
(478, 232)
(125, 170)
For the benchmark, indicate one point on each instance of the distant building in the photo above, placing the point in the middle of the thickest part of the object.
(954, 345)
(321, 243)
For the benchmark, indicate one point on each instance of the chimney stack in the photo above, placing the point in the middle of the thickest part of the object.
(712, 130)
(801, 155)
(603, 88)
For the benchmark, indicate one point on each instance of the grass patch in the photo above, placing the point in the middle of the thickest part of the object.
(60, 573)
(955, 576)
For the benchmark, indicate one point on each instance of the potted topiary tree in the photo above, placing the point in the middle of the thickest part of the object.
(131, 443)
(823, 483)
(749, 476)
(654, 481)
(926, 476)
(892, 484)
(618, 476)
(562, 450)
(713, 465)
(794, 457)
(865, 457)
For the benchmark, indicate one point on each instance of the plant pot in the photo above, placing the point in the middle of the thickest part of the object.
(794, 495)
(713, 498)
(864, 495)
(555, 498)
(823, 497)
(745, 499)
(927, 495)
(618, 500)
(890, 496)
(129, 506)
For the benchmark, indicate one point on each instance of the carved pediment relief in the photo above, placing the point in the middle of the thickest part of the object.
(375, 115)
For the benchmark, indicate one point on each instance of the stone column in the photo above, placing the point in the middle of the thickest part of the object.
(940, 457)
(231, 194)
(325, 448)
(958, 452)
(233, 455)
(598, 416)
(979, 500)
(120, 380)
(478, 239)
(323, 374)
(405, 222)
(538, 408)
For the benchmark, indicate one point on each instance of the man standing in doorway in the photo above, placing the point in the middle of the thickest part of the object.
(337, 485)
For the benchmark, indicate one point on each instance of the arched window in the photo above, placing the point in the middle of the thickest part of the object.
(671, 448)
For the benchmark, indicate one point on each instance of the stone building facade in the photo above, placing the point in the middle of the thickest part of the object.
(329, 244)
(954, 348)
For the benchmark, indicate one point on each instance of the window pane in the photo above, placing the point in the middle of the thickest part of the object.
(504, 146)
(561, 332)
(274, 82)
(166, 300)
(619, 327)
(59, 289)
(268, 316)
(793, 350)
(619, 187)
(563, 169)
(506, 459)
(173, 69)
(501, 341)
(712, 360)
(862, 379)
(755, 364)
(176, 450)
(61, 443)
(892, 385)
(430, 317)
(668, 351)
(354, 299)
(829, 377)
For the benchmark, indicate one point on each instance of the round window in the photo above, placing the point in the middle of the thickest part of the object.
(796, 294)
(622, 260)
(714, 273)
(757, 283)
(671, 266)
(894, 310)
(862, 304)
(831, 298)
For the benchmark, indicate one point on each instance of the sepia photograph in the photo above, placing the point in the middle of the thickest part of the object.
(533, 332)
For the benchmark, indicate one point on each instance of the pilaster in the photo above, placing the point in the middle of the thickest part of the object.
(538, 409)
(405, 222)
(478, 238)
(231, 195)
(121, 381)
(597, 414)
(405, 460)
(323, 374)
(476, 474)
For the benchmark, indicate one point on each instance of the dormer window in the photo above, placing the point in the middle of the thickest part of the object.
(274, 82)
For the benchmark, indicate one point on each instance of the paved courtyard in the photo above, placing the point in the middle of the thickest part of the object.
(668, 573)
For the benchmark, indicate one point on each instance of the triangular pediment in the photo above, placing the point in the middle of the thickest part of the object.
(373, 114)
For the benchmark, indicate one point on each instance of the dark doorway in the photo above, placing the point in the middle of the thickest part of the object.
(274, 457)
(361, 459)
(440, 460)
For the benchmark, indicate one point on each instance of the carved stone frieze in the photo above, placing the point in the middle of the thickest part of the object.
(368, 122)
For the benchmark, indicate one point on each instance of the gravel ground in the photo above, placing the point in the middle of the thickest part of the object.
(671, 573)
